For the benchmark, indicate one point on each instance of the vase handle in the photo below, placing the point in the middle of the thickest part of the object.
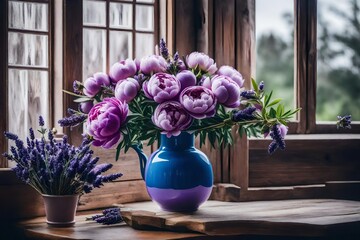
(142, 158)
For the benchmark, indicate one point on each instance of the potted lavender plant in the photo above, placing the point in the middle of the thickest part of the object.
(59, 171)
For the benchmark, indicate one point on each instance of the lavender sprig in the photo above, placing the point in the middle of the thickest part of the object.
(249, 94)
(164, 50)
(244, 115)
(278, 139)
(344, 122)
(73, 120)
(109, 216)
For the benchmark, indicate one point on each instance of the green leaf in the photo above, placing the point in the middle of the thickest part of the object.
(255, 86)
(272, 113)
(279, 110)
(267, 99)
(73, 94)
(276, 101)
(82, 99)
(118, 149)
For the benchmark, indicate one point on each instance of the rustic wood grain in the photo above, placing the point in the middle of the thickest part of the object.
(311, 65)
(245, 47)
(38, 229)
(349, 190)
(224, 54)
(315, 163)
(294, 168)
(301, 52)
(73, 53)
(317, 217)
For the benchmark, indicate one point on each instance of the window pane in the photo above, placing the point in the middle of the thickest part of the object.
(145, 1)
(27, 99)
(121, 15)
(120, 45)
(338, 65)
(144, 18)
(28, 49)
(29, 16)
(94, 13)
(275, 48)
(144, 44)
(94, 51)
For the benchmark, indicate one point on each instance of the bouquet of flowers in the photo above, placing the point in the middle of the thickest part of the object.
(57, 168)
(163, 94)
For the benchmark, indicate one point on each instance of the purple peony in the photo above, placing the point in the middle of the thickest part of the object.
(226, 91)
(105, 120)
(201, 61)
(161, 87)
(122, 70)
(283, 130)
(137, 63)
(186, 79)
(92, 85)
(153, 64)
(232, 73)
(199, 101)
(85, 107)
(172, 118)
(127, 89)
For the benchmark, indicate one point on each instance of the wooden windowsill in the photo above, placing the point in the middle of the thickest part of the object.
(318, 218)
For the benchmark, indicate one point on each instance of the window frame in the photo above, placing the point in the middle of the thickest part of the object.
(4, 66)
(306, 72)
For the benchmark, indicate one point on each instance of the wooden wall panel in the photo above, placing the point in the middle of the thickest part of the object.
(316, 163)
(224, 54)
(245, 46)
(72, 59)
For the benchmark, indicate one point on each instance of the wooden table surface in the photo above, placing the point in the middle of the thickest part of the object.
(308, 218)
(38, 229)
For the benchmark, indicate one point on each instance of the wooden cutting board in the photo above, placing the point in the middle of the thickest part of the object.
(307, 217)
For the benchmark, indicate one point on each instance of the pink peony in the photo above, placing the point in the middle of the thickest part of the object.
(161, 87)
(127, 89)
(201, 61)
(171, 117)
(92, 85)
(122, 70)
(199, 101)
(105, 120)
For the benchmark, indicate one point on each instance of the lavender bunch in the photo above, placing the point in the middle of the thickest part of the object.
(343, 122)
(108, 216)
(56, 167)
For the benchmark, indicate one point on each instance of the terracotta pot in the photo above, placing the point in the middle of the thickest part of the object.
(60, 209)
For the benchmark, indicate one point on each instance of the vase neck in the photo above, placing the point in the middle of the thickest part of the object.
(183, 141)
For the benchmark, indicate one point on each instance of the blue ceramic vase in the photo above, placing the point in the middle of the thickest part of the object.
(178, 176)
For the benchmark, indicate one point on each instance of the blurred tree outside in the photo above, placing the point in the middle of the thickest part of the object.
(338, 70)
(338, 77)
(275, 61)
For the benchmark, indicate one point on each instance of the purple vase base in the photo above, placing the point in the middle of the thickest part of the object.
(180, 200)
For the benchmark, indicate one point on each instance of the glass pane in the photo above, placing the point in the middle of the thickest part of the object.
(29, 16)
(144, 18)
(144, 44)
(94, 13)
(121, 15)
(28, 49)
(338, 65)
(94, 51)
(27, 99)
(275, 48)
(120, 45)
